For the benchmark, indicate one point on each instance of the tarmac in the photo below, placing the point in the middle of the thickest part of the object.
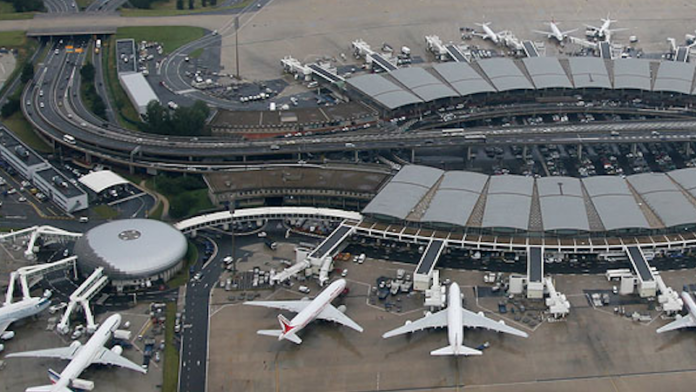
(593, 349)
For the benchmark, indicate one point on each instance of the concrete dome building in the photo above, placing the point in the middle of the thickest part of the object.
(133, 252)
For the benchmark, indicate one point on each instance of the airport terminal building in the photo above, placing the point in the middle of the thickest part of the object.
(135, 253)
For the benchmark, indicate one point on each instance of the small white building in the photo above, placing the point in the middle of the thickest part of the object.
(138, 90)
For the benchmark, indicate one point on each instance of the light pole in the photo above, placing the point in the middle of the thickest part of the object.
(230, 206)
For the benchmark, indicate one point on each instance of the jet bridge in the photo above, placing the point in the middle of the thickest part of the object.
(362, 49)
(535, 272)
(87, 290)
(26, 274)
(424, 270)
(605, 50)
(33, 233)
(325, 74)
(320, 259)
(530, 49)
(455, 53)
(682, 54)
(646, 279)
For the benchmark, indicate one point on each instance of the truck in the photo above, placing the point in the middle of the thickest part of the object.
(97, 46)
(121, 334)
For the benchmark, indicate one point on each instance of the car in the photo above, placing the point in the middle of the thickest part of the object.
(344, 273)
(303, 289)
(22, 199)
(41, 105)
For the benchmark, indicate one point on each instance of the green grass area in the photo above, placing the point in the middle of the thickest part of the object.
(126, 112)
(83, 3)
(7, 12)
(21, 127)
(170, 37)
(196, 53)
(183, 276)
(171, 354)
(105, 212)
(168, 8)
(187, 196)
(12, 39)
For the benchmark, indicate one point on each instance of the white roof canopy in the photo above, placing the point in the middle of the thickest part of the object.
(103, 179)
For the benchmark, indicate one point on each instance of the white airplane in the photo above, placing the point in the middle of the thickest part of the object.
(455, 318)
(488, 33)
(687, 321)
(555, 32)
(81, 357)
(14, 311)
(605, 31)
(319, 308)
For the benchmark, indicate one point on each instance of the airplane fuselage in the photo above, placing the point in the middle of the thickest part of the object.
(22, 309)
(88, 352)
(556, 32)
(689, 303)
(455, 325)
(316, 306)
(490, 33)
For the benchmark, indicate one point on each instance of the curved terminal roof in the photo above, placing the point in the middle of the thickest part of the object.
(562, 204)
(589, 72)
(674, 77)
(546, 72)
(463, 78)
(422, 83)
(456, 198)
(505, 75)
(383, 91)
(508, 202)
(664, 198)
(602, 203)
(131, 248)
(417, 85)
(401, 195)
(101, 180)
(615, 203)
(632, 74)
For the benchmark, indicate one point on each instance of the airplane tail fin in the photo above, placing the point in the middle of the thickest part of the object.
(461, 350)
(280, 335)
(284, 324)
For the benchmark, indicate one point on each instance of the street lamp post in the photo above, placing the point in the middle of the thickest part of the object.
(234, 258)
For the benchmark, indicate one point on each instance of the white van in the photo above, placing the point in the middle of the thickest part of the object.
(69, 139)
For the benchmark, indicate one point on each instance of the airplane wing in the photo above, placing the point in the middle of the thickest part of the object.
(592, 27)
(293, 306)
(619, 29)
(548, 33)
(330, 313)
(67, 353)
(569, 31)
(4, 326)
(108, 357)
(435, 320)
(683, 322)
(475, 320)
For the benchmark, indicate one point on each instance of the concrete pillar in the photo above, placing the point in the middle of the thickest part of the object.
(468, 154)
(357, 158)
(413, 155)
(525, 151)
(88, 157)
(244, 158)
(579, 152)
(634, 148)
(226, 226)
(689, 150)
(193, 233)
(131, 169)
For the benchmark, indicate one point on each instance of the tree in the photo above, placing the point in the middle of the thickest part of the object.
(180, 4)
(190, 4)
(10, 108)
(157, 119)
(213, 3)
(98, 107)
(204, 3)
(27, 72)
(87, 72)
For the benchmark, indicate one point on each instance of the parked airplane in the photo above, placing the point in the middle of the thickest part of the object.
(604, 31)
(687, 321)
(455, 317)
(81, 357)
(14, 311)
(307, 311)
(555, 32)
(488, 33)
